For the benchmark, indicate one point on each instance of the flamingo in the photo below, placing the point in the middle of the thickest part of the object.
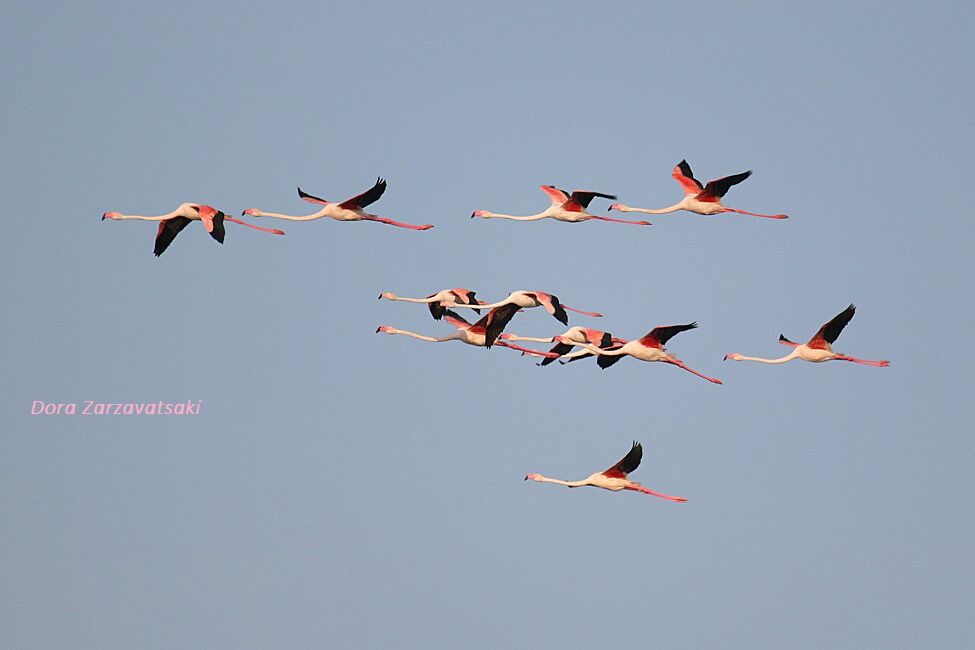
(349, 210)
(570, 208)
(529, 299)
(818, 348)
(475, 334)
(614, 478)
(576, 334)
(648, 348)
(704, 200)
(172, 223)
(438, 301)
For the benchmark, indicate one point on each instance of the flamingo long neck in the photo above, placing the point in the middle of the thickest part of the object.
(161, 217)
(786, 358)
(423, 300)
(565, 483)
(291, 217)
(673, 208)
(515, 337)
(426, 338)
(496, 215)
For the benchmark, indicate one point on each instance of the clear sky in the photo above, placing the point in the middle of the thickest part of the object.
(346, 489)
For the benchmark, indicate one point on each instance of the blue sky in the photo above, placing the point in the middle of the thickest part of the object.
(346, 489)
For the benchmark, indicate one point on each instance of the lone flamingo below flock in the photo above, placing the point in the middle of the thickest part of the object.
(348, 210)
(172, 223)
(819, 348)
(614, 478)
(700, 199)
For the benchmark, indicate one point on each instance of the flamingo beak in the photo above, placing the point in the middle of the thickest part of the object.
(472, 215)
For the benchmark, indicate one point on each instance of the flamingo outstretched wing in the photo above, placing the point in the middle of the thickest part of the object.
(682, 174)
(167, 232)
(366, 198)
(714, 190)
(628, 463)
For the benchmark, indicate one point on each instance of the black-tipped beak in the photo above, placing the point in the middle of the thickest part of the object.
(380, 297)
(377, 329)
(103, 217)
(526, 478)
(472, 215)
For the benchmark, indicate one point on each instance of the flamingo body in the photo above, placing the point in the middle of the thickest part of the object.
(700, 199)
(613, 479)
(819, 348)
(172, 223)
(348, 210)
(570, 208)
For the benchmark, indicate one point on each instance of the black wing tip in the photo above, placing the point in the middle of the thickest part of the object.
(782, 338)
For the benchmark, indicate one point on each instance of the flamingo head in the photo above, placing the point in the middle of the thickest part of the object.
(385, 329)
(254, 212)
(732, 356)
(479, 213)
(111, 215)
(387, 295)
(534, 477)
(616, 206)
(506, 336)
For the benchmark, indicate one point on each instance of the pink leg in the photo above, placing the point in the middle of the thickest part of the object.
(426, 226)
(536, 353)
(586, 313)
(878, 364)
(680, 364)
(636, 223)
(273, 231)
(755, 214)
(645, 490)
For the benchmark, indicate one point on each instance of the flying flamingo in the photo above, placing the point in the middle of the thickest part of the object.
(613, 478)
(700, 200)
(604, 340)
(570, 208)
(818, 348)
(172, 223)
(440, 300)
(529, 299)
(475, 334)
(648, 348)
(349, 210)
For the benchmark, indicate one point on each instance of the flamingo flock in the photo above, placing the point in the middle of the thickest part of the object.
(577, 342)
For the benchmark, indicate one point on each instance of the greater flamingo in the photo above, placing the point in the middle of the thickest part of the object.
(604, 340)
(565, 207)
(349, 210)
(648, 348)
(614, 478)
(529, 299)
(704, 200)
(172, 223)
(818, 348)
(475, 334)
(438, 302)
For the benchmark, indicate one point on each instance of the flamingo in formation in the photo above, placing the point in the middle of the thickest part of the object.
(704, 200)
(530, 299)
(172, 223)
(604, 340)
(475, 334)
(648, 348)
(565, 207)
(819, 348)
(437, 302)
(348, 210)
(614, 478)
